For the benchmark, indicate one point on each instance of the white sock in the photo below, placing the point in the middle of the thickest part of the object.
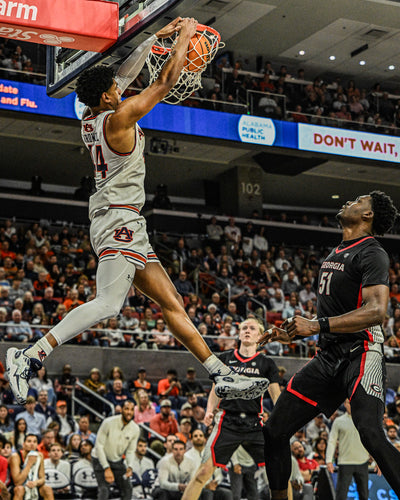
(215, 366)
(40, 350)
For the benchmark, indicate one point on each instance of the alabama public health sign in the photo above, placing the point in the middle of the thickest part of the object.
(256, 130)
(90, 25)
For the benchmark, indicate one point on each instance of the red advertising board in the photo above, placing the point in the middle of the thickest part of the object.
(90, 25)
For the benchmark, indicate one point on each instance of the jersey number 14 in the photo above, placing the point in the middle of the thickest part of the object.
(99, 163)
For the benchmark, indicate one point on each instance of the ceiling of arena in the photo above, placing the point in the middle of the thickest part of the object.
(276, 30)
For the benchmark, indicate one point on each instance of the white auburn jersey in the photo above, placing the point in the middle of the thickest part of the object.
(119, 177)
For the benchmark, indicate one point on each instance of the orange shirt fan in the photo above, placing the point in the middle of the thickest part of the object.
(202, 49)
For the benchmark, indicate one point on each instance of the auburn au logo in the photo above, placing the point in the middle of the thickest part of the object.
(123, 234)
(88, 127)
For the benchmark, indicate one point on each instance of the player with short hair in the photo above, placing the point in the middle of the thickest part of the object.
(237, 422)
(352, 302)
(118, 232)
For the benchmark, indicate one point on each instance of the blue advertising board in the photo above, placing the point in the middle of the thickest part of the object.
(29, 98)
(378, 489)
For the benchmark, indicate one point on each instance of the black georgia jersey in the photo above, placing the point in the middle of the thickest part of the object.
(349, 268)
(258, 365)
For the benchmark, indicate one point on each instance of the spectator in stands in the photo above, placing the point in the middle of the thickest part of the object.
(43, 407)
(56, 463)
(169, 386)
(214, 233)
(306, 465)
(64, 384)
(35, 421)
(20, 431)
(113, 336)
(391, 433)
(191, 384)
(128, 321)
(175, 472)
(183, 285)
(84, 430)
(292, 307)
(6, 423)
(94, 382)
(48, 438)
(49, 304)
(319, 452)
(38, 315)
(15, 292)
(18, 330)
(27, 471)
(164, 422)
(307, 293)
(66, 422)
(144, 410)
(197, 410)
(72, 451)
(162, 336)
(185, 432)
(141, 382)
(5, 301)
(241, 293)
(315, 427)
(114, 374)
(118, 395)
(232, 232)
(291, 284)
(281, 260)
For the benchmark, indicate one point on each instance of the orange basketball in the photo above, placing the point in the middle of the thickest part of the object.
(198, 53)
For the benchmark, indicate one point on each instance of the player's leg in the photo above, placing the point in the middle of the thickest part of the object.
(345, 475)
(46, 492)
(289, 414)
(154, 282)
(367, 413)
(361, 478)
(113, 280)
(196, 484)
(18, 492)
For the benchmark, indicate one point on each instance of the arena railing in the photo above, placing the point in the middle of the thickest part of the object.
(258, 101)
(76, 400)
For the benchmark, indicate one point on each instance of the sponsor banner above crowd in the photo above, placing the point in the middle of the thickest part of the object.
(16, 96)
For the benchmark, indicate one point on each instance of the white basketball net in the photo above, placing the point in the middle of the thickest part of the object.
(190, 78)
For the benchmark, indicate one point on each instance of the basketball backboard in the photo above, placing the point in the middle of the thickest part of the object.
(137, 21)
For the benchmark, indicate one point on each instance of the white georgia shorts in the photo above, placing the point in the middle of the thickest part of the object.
(121, 229)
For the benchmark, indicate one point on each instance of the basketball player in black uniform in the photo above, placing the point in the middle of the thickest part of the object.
(353, 297)
(237, 421)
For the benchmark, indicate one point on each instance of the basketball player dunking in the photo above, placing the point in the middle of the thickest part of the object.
(352, 302)
(118, 231)
(236, 422)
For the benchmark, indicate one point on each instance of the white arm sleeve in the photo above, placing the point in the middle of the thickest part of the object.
(134, 63)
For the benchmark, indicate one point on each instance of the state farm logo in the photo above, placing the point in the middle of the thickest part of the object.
(35, 36)
(18, 10)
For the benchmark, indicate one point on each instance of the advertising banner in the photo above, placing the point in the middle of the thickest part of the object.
(351, 143)
(90, 25)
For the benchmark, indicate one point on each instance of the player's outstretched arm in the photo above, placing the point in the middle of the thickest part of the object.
(134, 63)
(134, 108)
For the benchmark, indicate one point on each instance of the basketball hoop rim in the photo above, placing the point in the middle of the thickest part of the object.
(162, 51)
